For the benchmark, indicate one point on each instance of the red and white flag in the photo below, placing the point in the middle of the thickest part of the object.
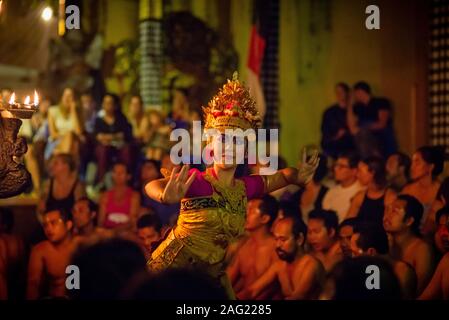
(256, 52)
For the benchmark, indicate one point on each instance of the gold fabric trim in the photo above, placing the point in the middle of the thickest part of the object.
(201, 203)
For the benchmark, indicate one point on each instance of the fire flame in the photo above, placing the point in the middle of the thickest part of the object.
(13, 98)
(36, 98)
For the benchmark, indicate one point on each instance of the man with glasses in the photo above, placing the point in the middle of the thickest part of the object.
(339, 197)
(401, 222)
(49, 258)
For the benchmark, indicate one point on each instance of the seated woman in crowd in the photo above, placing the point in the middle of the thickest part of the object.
(368, 205)
(113, 135)
(427, 165)
(156, 137)
(65, 127)
(119, 206)
(64, 187)
(137, 119)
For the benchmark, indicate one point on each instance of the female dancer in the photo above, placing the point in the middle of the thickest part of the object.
(213, 203)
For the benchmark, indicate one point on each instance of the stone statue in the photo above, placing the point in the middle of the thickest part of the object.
(14, 178)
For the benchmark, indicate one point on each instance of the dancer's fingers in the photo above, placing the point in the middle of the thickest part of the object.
(315, 156)
(185, 174)
(190, 181)
(173, 173)
(181, 174)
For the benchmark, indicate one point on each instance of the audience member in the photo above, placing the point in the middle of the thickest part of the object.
(427, 164)
(149, 229)
(113, 134)
(49, 258)
(120, 205)
(372, 240)
(339, 197)
(63, 187)
(322, 237)
(257, 252)
(345, 232)
(398, 171)
(370, 119)
(13, 256)
(107, 267)
(368, 205)
(335, 134)
(438, 287)
(401, 222)
(299, 274)
(65, 127)
(442, 231)
(348, 280)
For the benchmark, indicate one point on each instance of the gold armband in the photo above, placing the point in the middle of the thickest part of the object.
(272, 179)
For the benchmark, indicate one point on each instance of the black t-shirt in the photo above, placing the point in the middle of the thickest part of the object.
(120, 125)
(334, 119)
(369, 113)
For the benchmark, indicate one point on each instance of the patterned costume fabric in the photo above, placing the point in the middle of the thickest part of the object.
(211, 217)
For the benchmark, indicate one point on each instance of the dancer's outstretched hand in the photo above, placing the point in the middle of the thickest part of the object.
(177, 185)
(306, 169)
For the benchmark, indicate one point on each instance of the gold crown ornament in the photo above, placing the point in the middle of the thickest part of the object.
(232, 108)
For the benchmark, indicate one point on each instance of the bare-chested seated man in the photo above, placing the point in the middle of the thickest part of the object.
(257, 252)
(322, 237)
(372, 240)
(14, 264)
(438, 287)
(149, 229)
(49, 258)
(300, 275)
(401, 221)
(345, 232)
(84, 213)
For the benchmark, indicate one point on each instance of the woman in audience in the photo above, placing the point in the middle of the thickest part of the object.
(427, 165)
(64, 187)
(120, 205)
(137, 119)
(113, 135)
(156, 137)
(368, 205)
(65, 127)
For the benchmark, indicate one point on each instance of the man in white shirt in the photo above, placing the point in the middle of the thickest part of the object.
(339, 197)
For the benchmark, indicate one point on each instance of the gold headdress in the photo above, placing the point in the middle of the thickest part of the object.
(232, 108)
